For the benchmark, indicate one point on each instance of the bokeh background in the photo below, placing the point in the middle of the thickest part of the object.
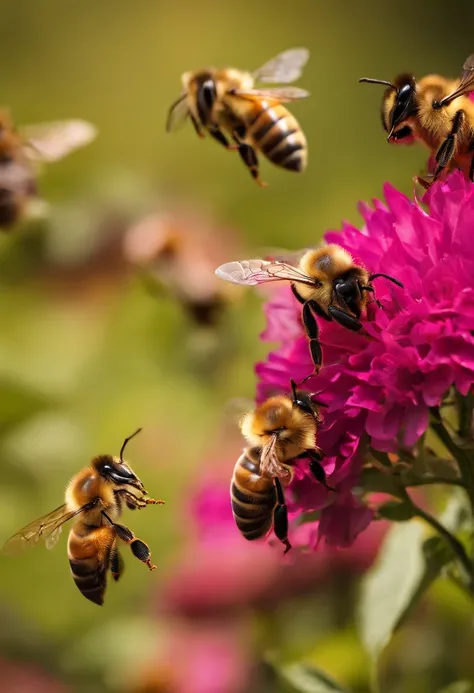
(90, 349)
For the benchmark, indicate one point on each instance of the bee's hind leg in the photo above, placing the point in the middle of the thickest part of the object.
(138, 547)
(280, 516)
(249, 157)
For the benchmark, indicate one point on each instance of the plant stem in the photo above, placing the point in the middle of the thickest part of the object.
(466, 465)
(455, 544)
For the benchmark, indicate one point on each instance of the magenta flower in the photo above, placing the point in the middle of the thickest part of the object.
(379, 388)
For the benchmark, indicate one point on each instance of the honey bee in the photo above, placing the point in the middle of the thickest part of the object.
(95, 497)
(326, 282)
(280, 431)
(20, 149)
(437, 112)
(225, 99)
(176, 254)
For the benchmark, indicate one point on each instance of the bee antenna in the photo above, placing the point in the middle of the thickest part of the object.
(125, 442)
(293, 390)
(378, 81)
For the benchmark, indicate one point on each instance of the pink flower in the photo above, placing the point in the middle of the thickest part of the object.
(379, 388)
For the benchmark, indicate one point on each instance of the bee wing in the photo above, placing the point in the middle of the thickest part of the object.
(466, 83)
(282, 94)
(270, 464)
(253, 272)
(53, 141)
(47, 527)
(177, 114)
(285, 67)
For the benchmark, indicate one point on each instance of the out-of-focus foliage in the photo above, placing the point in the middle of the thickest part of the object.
(87, 355)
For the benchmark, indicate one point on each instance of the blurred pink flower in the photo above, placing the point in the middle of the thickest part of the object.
(379, 388)
(217, 574)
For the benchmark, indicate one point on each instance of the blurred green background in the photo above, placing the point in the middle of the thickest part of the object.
(86, 354)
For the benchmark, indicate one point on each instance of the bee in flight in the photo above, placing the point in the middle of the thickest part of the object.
(95, 497)
(436, 111)
(176, 254)
(21, 149)
(218, 100)
(326, 282)
(281, 430)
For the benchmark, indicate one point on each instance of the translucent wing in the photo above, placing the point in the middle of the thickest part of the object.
(53, 141)
(47, 527)
(466, 84)
(291, 257)
(252, 272)
(271, 466)
(177, 114)
(285, 67)
(278, 93)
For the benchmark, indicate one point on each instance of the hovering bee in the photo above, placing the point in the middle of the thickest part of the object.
(437, 112)
(177, 255)
(19, 150)
(326, 282)
(95, 497)
(225, 99)
(279, 431)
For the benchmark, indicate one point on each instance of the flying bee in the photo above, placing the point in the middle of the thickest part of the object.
(20, 149)
(95, 497)
(225, 99)
(436, 111)
(280, 431)
(176, 255)
(326, 282)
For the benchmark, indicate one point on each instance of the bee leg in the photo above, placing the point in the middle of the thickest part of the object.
(138, 547)
(316, 468)
(345, 319)
(221, 138)
(445, 153)
(116, 564)
(280, 516)
(249, 157)
(197, 127)
(312, 332)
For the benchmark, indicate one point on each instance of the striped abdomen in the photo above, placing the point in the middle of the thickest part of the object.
(89, 552)
(253, 497)
(276, 133)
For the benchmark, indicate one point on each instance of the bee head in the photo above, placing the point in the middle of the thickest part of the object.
(116, 472)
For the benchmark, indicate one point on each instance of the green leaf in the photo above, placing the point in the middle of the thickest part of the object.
(389, 586)
(396, 511)
(459, 687)
(308, 679)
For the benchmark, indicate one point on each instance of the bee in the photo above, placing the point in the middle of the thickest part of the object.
(437, 112)
(280, 431)
(327, 283)
(95, 497)
(20, 149)
(225, 99)
(176, 255)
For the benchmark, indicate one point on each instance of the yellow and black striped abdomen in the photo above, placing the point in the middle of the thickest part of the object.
(89, 557)
(277, 134)
(253, 497)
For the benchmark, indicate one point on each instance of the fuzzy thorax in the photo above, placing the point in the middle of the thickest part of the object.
(278, 416)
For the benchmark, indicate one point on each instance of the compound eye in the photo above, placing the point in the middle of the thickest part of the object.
(126, 471)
